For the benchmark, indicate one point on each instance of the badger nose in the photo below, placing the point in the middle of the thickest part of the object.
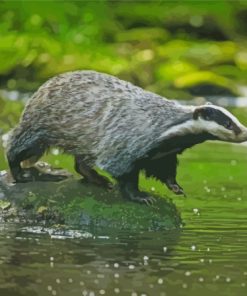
(242, 137)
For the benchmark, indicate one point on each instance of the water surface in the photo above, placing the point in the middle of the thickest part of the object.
(208, 255)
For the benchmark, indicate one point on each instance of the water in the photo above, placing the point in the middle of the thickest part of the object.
(192, 261)
(207, 256)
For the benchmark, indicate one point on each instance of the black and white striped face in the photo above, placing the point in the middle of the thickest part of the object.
(220, 123)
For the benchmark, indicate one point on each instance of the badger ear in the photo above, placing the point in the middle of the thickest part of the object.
(204, 112)
(198, 112)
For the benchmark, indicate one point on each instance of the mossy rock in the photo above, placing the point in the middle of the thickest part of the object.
(79, 205)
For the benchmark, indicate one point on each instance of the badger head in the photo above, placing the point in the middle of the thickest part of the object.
(219, 122)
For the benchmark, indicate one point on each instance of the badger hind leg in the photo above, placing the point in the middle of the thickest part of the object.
(89, 174)
(25, 148)
(128, 184)
(18, 153)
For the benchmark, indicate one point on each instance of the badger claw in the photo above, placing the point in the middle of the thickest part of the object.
(35, 174)
(148, 200)
(175, 188)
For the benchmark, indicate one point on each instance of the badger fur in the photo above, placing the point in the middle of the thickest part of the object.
(111, 124)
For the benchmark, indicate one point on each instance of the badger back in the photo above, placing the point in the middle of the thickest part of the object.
(110, 121)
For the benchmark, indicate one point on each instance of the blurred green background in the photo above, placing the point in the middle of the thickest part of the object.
(165, 46)
(178, 49)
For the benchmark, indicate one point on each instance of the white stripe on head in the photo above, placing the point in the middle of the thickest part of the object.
(190, 126)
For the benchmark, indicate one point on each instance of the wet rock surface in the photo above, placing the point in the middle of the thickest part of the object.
(75, 204)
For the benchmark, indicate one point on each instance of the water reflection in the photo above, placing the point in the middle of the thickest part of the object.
(37, 265)
(152, 263)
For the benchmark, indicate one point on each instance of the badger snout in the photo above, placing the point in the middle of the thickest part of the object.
(242, 135)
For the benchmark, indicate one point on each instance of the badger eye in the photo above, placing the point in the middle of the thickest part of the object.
(208, 114)
(228, 125)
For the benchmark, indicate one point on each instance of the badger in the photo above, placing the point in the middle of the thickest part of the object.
(113, 125)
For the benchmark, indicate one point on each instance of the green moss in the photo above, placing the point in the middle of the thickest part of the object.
(75, 204)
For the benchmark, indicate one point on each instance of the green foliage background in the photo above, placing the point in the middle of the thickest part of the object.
(175, 48)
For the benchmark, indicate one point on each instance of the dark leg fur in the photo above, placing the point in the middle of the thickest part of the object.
(128, 184)
(89, 174)
(165, 170)
(16, 155)
(15, 158)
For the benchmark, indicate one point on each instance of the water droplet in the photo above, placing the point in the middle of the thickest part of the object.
(196, 211)
(228, 280)
(233, 162)
(160, 281)
(55, 151)
(208, 190)
(193, 247)
(165, 249)
(49, 288)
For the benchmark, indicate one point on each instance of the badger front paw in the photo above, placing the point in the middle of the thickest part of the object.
(137, 196)
(174, 187)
